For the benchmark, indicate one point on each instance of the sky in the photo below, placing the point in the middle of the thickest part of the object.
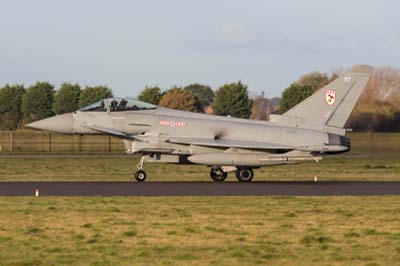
(130, 44)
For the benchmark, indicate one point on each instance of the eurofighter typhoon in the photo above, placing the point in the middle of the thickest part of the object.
(311, 129)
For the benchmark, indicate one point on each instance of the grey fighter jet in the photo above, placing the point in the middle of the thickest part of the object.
(311, 129)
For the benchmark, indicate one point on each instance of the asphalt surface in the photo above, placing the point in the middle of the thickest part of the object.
(321, 188)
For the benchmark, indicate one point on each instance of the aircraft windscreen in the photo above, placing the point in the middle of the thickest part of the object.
(129, 105)
(118, 105)
(99, 106)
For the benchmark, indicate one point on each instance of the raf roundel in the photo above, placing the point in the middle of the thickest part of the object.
(330, 97)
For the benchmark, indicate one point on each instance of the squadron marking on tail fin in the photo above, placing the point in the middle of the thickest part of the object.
(330, 97)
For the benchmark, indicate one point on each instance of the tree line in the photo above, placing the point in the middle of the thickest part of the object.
(20, 105)
(377, 110)
(228, 100)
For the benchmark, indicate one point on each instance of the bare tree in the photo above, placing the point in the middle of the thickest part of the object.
(261, 108)
(379, 106)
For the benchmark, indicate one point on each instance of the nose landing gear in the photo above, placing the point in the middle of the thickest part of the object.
(140, 174)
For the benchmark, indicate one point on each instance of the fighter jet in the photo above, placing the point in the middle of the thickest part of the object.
(308, 131)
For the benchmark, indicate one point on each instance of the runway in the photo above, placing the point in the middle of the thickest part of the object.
(262, 188)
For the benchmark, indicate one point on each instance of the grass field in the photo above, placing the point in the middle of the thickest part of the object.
(203, 230)
(376, 158)
(121, 169)
(200, 231)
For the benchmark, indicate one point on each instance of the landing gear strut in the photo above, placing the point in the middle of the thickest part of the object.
(140, 174)
(217, 174)
(244, 174)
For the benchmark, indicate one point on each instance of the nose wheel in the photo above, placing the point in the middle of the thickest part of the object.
(140, 174)
(244, 174)
(218, 175)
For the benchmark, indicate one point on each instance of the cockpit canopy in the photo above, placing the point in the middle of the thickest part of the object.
(118, 105)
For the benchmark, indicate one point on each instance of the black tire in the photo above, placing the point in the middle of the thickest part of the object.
(218, 175)
(244, 174)
(140, 175)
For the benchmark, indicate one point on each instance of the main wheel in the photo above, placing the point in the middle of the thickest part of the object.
(244, 174)
(140, 175)
(218, 175)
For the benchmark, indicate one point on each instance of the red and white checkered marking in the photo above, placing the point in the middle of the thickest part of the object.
(180, 124)
(172, 123)
(164, 123)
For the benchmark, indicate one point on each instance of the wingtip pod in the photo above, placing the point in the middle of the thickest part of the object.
(361, 69)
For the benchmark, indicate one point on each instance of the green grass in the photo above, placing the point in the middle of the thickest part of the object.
(203, 230)
(200, 231)
(371, 158)
(121, 169)
(376, 158)
(376, 144)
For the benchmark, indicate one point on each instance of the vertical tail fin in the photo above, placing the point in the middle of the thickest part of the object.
(332, 105)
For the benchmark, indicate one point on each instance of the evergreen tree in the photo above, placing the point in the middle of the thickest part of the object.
(66, 99)
(293, 95)
(150, 95)
(203, 94)
(233, 100)
(37, 101)
(91, 95)
(10, 106)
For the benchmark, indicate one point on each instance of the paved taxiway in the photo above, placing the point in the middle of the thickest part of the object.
(321, 188)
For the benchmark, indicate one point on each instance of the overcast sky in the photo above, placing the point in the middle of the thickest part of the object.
(130, 44)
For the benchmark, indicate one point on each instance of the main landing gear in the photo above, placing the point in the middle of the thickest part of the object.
(243, 174)
(218, 175)
(140, 174)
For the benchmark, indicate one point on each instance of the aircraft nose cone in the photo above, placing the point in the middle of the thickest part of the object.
(59, 123)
